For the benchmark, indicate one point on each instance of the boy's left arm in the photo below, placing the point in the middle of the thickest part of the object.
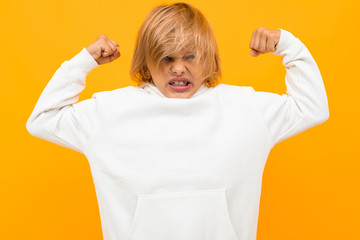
(305, 105)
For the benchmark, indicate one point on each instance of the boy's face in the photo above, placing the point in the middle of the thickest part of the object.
(178, 76)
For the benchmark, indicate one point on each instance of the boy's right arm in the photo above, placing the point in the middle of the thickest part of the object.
(57, 117)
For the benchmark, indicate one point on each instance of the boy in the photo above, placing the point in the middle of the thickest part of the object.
(180, 156)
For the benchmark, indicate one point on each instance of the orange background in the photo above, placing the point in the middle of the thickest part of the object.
(311, 181)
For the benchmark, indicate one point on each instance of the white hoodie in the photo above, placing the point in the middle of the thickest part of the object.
(168, 168)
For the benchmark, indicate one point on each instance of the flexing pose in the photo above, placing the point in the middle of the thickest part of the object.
(180, 156)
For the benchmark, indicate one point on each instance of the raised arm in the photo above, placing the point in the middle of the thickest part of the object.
(57, 117)
(305, 105)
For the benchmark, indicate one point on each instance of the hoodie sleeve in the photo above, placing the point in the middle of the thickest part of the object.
(305, 105)
(57, 117)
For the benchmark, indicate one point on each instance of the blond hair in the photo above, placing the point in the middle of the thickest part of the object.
(170, 29)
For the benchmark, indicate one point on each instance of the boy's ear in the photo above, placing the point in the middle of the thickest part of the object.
(145, 70)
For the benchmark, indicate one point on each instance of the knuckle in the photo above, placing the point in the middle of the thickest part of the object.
(101, 36)
(103, 42)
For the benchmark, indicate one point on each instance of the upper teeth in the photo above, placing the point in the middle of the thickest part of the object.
(178, 82)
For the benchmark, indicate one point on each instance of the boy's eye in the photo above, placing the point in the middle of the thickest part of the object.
(189, 57)
(167, 58)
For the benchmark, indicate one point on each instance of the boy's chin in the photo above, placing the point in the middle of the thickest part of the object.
(179, 95)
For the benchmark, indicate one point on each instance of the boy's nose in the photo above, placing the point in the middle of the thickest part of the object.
(178, 68)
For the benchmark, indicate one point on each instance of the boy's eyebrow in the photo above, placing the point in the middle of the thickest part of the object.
(182, 55)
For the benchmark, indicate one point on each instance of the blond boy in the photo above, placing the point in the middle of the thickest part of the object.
(180, 156)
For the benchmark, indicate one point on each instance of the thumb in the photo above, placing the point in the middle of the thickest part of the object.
(255, 53)
(106, 52)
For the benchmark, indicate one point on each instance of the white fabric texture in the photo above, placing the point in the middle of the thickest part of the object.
(167, 168)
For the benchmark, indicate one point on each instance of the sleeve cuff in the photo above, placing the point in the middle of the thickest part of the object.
(287, 41)
(83, 62)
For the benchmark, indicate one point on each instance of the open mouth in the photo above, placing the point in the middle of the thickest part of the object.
(179, 83)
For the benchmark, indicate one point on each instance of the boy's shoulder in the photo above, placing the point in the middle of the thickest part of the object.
(235, 96)
(117, 92)
(115, 96)
(229, 89)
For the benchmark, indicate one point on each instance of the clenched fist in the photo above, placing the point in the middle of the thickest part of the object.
(103, 49)
(264, 40)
